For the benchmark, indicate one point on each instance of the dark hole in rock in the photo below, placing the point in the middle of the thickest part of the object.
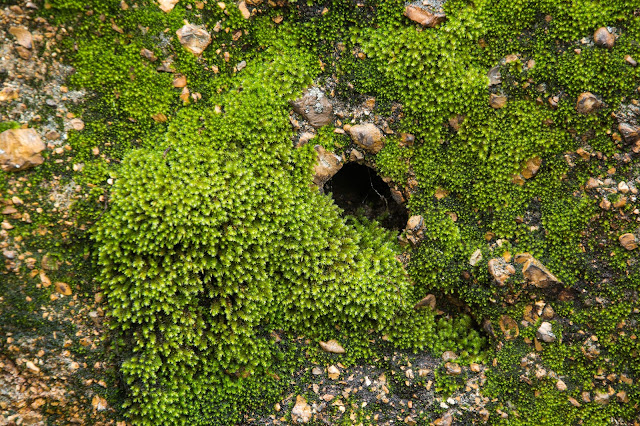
(359, 191)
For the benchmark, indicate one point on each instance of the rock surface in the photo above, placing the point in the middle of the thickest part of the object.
(20, 149)
(194, 38)
(423, 16)
(500, 270)
(368, 137)
(603, 38)
(327, 165)
(301, 412)
(314, 107)
(628, 241)
(588, 103)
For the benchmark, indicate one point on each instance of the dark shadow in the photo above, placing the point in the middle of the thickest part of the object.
(359, 191)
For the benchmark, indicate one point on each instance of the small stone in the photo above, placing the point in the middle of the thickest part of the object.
(603, 38)
(494, 76)
(628, 241)
(241, 65)
(368, 137)
(194, 38)
(574, 402)
(301, 412)
(77, 124)
(620, 202)
(98, 403)
(20, 149)
(429, 300)
(547, 312)
(475, 368)
(332, 346)
(315, 107)
(509, 327)
(63, 288)
(32, 367)
(167, 5)
(630, 60)
(8, 94)
(244, 11)
(449, 356)
(476, 257)
(148, 54)
(622, 397)
(593, 183)
(452, 369)
(531, 167)
(545, 333)
(537, 274)
(497, 101)
(423, 16)
(326, 167)
(601, 398)
(415, 223)
(23, 36)
(623, 187)
(561, 386)
(179, 81)
(316, 371)
(588, 103)
(333, 372)
(356, 155)
(500, 270)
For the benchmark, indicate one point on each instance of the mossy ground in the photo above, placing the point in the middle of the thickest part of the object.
(210, 237)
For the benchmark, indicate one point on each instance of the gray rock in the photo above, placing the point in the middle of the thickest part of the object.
(314, 107)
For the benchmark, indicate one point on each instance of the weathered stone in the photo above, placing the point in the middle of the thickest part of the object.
(301, 412)
(429, 300)
(244, 11)
(561, 385)
(367, 136)
(494, 75)
(601, 398)
(497, 101)
(333, 372)
(537, 274)
(356, 155)
(509, 327)
(545, 333)
(500, 270)
(23, 36)
(476, 257)
(326, 167)
(63, 288)
(167, 5)
(20, 149)
(456, 121)
(603, 38)
(415, 223)
(332, 346)
(628, 241)
(148, 55)
(423, 16)
(8, 94)
(449, 356)
(629, 59)
(588, 103)
(531, 167)
(452, 369)
(314, 107)
(194, 38)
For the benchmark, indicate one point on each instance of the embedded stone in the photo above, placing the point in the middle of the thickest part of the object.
(167, 5)
(23, 36)
(476, 257)
(500, 270)
(429, 300)
(194, 38)
(537, 274)
(20, 149)
(367, 136)
(603, 38)
(601, 398)
(509, 327)
(531, 167)
(332, 346)
(301, 412)
(498, 101)
(452, 369)
(628, 241)
(148, 55)
(629, 59)
(333, 372)
(314, 107)
(326, 167)
(423, 16)
(244, 11)
(494, 75)
(588, 103)
(449, 356)
(415, 222)
(545, 333)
